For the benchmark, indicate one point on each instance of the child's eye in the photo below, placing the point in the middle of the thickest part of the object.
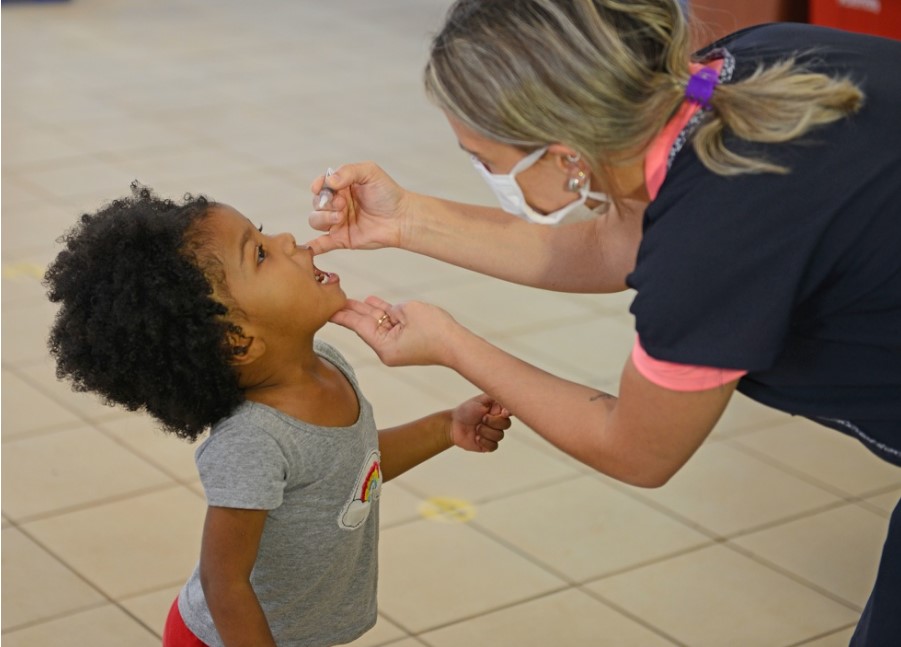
(261, 252)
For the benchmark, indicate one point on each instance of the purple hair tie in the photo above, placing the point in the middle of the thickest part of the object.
(700, 86)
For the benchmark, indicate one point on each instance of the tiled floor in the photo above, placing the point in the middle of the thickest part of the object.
(768, 537)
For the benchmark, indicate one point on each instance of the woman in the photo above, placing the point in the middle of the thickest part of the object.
(767, 259)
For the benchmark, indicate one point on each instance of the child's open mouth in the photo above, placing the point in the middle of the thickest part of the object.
(323, 277)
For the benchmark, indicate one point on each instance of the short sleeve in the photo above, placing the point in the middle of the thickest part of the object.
(242, 467)
(681, 377)
(721, 267)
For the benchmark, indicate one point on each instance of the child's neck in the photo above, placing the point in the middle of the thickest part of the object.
(304, 386)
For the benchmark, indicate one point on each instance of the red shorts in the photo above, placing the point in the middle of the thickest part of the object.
(176, 632)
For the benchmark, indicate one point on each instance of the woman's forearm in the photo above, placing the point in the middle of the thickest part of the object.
(642, 437)
(571, 416)
(589, 257)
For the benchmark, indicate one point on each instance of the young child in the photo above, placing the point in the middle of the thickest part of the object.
(190, 312)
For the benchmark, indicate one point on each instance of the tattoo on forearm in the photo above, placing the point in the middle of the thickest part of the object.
(600, 395)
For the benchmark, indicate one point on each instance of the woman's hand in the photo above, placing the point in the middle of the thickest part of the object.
(366, 211)
(411, 333)
(478, 424)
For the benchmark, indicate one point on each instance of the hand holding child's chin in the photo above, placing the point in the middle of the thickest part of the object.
(406, 334)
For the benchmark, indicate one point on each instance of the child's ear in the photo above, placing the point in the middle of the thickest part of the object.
(245, 350)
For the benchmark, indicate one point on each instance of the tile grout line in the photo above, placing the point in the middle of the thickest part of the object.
(70, 568)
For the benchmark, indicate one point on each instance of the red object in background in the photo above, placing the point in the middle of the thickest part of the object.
(878, 17)
(714, 19)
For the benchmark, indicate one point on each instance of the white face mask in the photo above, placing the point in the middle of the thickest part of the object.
(511, 199)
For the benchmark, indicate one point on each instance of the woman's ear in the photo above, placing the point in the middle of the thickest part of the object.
(568, 160)
(245, 349)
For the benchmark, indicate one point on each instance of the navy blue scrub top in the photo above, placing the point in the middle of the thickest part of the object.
(795, 278)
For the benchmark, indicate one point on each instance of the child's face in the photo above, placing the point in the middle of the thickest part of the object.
(272, 282)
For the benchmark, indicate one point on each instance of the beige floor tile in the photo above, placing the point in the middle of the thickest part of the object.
(567, 619)
(144, 436)
(528, 436)
(743, 414)
(34, 227)
(836, 639)
(183, 167)
(441, 382)
(886, 501)
(269, 197)
(515, 467)
(29, 145)
(421, 277)
(124, 136)
(449, 173)
(717, 597)
(384, 632)
(490, 307)
(397, 505)
(17, 193)
(435, 573)
(70, 468)
(27, 409)
(393, 400)
(107, 626)
(152, 608)
(23, 271)
(830, 457)
(727, 491)
(591, 349)
(86, 405)
(837, 550)
(197, 488)
(36, 586)
(25, 331)
(615, 303)
(90, 178)
(583, 528)
(45, 108)
(130, 546)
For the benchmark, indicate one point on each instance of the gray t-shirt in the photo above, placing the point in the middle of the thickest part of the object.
(316, 571)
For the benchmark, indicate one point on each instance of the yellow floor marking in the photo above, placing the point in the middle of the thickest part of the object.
(23, 270)
(447, 510)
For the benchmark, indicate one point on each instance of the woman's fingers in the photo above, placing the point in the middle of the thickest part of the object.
(378, 302)
(324, 243)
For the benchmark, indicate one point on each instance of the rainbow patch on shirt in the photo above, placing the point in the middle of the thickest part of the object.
(372, 483)
(366, 491)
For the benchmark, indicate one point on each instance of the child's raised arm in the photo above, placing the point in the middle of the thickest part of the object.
(477, 425)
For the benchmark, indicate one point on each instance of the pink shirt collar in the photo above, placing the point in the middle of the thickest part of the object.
(658, 152)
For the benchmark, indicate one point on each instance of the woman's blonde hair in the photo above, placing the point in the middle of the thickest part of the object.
(604, 76)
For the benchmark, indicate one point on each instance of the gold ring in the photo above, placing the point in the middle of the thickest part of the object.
(382, 319)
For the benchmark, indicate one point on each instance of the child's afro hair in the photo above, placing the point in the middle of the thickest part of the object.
(138, 323)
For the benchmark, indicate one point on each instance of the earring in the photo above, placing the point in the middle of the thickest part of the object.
(574, 183)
